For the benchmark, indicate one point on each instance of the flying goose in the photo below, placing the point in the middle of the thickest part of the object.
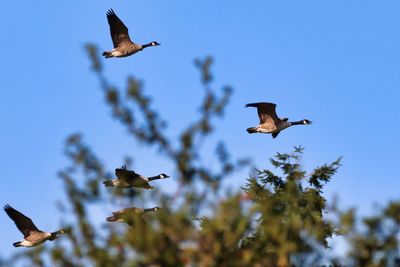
(123, 46)
(128, 179)
(32, 235)
(269, 121)
(128, 215)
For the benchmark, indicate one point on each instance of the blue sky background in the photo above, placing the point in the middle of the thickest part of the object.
(336, 63)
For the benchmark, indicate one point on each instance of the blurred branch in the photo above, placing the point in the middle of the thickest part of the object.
(151, 132)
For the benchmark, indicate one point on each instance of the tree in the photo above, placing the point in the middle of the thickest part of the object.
(373, 240)
(291, 223)
(276, 220)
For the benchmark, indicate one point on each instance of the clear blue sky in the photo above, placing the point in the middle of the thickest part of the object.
(336, 63)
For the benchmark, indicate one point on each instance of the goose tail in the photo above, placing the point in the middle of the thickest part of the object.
(108, 183)
(17, 244)
(251, 130)
(110, 219)
(107, 54)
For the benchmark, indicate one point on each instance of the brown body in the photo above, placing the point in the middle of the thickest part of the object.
(270, 123)
(129, 215)
(32, 235)
(123, 46)
(127, 179)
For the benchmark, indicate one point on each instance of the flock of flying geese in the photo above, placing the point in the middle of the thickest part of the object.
(270, 123)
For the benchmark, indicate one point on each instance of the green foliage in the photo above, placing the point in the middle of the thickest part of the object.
(276, 219)
(291, 218)
(374, 241)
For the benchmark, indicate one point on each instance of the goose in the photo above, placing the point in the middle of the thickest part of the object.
(32, 235)
(128, 215)
(123, 46)
(128, 179)
(269, 122)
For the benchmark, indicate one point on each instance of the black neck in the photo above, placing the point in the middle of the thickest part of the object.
(147, 45)
(59, 232)
(154, 177)
(297, 122)
(54, 235)
(147, 210)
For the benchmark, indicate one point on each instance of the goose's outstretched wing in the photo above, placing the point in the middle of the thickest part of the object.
(118, 30)
(23, 223)
(266, 111)
(125, 174)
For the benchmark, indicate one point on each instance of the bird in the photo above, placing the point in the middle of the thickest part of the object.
(129, 215)
(123, 46)
(128, 179)
(32, 235)
(270, 123)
